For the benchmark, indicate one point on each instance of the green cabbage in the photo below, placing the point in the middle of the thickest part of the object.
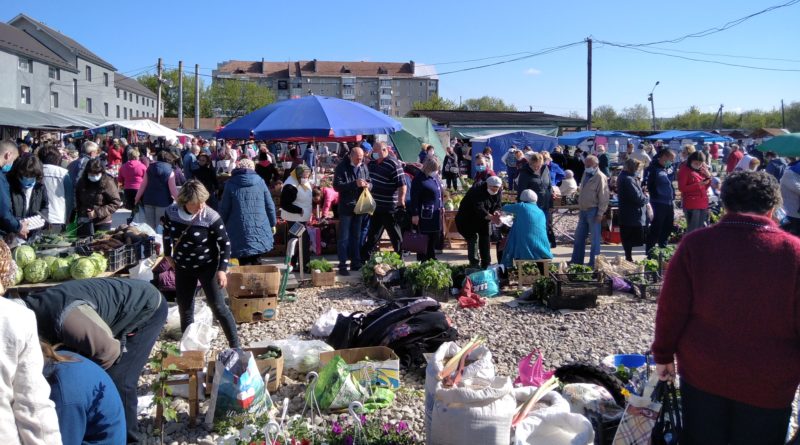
(100, 262)
(82, 268)
(59, 270)
(49, 260)
(24, 255)
(18, 276)
(36, 271)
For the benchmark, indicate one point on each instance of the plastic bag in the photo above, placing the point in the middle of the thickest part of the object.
(143, 271)
(553, 423)
(365, 204)
(325, 323)
(485, 283)
(300, 355)
(239, 392)
(531, 372)
(337, 387)
(172, 328)
(198, 337)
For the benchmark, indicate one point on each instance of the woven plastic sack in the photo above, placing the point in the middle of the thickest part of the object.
(551, 422)
(365, 204)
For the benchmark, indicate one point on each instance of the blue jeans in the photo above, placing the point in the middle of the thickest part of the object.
(349, 242)
(587, 226)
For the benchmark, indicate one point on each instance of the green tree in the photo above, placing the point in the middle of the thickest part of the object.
(636, 117)
(169, 93)
(232, 98)
(435, 103)
(605, 117)
(486, 103)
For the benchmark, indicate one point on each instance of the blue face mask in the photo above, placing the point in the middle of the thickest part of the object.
(27, 183)
(480, 168)
(6, 168)
(668, 164)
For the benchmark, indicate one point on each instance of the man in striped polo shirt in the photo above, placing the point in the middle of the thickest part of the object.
(389, 192)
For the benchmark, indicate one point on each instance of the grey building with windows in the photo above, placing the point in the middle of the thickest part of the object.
(386, 86)
(45, 71)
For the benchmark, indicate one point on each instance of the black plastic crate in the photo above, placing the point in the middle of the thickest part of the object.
(646, 285)
(574, 293)
(117, 259)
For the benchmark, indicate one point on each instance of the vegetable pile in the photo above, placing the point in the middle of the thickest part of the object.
(380, 263)
(31, 269)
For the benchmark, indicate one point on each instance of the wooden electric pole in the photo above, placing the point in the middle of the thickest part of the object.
(196, 96)
(158, 100)
(589, 84)
(180, 94)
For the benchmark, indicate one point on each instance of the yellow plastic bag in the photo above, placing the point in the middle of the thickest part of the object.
(365, 204)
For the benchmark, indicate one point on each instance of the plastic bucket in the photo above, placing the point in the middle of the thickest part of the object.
(631, 361)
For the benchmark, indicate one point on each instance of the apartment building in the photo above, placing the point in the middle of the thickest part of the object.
(390, 87)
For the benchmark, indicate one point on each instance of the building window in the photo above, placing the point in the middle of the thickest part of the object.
(126, 113)
(137, 113)
(124, 95)
(88, 73)
(75, 92)
(26, 64)
(89, 105)
(137, 98)
(25, 95)
(105, 108)
(53, 100)
(117, 111)
(54, 73)
(117, 93)
(105, 79)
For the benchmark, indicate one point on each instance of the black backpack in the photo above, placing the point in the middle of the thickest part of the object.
(409, 326)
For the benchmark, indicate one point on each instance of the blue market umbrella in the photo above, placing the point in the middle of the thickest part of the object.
(311, 116)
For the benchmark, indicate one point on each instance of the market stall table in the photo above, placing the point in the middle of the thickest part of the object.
(27, 288)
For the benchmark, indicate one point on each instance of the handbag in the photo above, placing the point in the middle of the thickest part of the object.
(415, 242)
(669, 425)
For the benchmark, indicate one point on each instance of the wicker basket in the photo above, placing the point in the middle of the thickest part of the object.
(319, 279)
(572, 293)
(645, 285)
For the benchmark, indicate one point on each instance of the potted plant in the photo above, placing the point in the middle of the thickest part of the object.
(430, 277)
(322, 273)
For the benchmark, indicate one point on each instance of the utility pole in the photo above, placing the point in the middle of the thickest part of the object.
(718, 116)
(653, 104)
(196, 96)
(180, 94)
(783, 116)
(589, 84)
(158, 101)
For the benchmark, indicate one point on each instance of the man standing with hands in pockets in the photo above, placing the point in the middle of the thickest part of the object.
(592, 203)
(350, 178)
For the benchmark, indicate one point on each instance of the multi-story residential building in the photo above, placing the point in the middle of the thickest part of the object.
(386, 86)
(47, 72)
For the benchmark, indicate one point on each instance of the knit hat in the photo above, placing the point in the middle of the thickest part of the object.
(246, 163)
(528, 196)
(494, 181)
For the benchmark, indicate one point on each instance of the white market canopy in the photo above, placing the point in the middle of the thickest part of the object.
(146, 126)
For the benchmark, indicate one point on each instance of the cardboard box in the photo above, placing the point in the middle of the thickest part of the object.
(385, 362)
(254, 280)
(252, 309)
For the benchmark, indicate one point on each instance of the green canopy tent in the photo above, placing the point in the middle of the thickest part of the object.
(783, 145)
(416, 131)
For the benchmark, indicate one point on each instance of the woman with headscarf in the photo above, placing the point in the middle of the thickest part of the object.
(527, 239)
(296, 203)
(265, 166)
(426, 205)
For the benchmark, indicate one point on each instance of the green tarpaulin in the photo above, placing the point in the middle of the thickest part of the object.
(416, 131)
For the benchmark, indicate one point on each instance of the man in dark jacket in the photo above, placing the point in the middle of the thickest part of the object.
(480, 206)
(775, 165)
(350, 178)
(662, 196)
(115, 322)
(8, 223)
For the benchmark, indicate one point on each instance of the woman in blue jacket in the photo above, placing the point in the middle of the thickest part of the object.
(246, 205)
(426, 205)
(527, 239)
(87, 402)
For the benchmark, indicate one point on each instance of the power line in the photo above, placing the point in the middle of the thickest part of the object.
(717, 29)
(693, 59)
(735, 56)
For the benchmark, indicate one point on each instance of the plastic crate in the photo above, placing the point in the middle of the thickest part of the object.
(646, 285)
(140, 250)
(572, 293)
(117, 259)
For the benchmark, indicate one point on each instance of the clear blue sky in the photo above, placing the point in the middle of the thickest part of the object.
(133, 34)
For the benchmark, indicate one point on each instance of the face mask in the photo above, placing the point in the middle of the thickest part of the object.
(668, 164)
(6, 168)
(27, 183)
(480, 168)
(590, 170)
(305, 181)
(95, 178)
(376, 156)
(185, 215)
(493, 192)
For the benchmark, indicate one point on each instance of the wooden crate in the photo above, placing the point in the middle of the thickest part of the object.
(319, 279)
(524, 280)
(571, 293)
(646, 285)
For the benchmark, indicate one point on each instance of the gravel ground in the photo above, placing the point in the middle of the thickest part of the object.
(613, 327)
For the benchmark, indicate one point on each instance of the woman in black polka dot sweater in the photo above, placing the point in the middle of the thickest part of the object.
(197, 246)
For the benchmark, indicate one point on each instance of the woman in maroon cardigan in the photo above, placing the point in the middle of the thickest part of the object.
(729, 312)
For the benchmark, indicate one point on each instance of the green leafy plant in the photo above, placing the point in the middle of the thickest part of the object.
(650, 265)
(431, 274)
(581, 272)
(543, 288)
(162, 392)
(321, 265)
(661, 254)
(384, 260)
(529, 268)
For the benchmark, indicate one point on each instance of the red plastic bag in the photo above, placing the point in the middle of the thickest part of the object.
(531, 372)
(469, 299)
